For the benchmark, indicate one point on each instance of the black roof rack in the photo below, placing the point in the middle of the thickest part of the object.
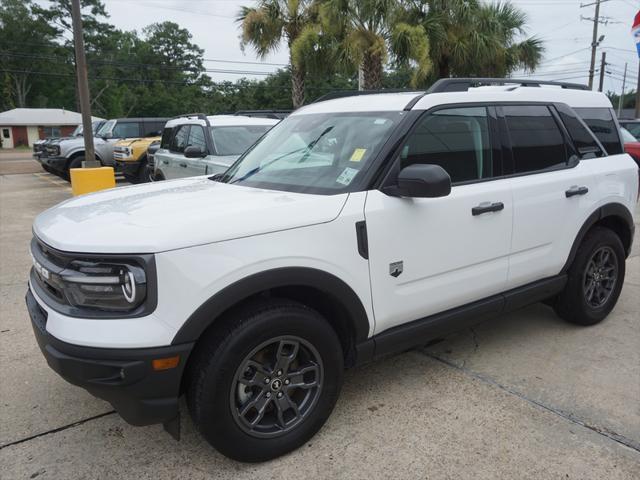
(464, 84)
(275, 114)
(357, 93)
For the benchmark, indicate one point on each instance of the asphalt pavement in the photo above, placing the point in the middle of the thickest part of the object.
(522, 396)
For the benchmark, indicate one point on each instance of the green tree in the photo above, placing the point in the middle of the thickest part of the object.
(26, 40)
(369, 31)
(470, 38)
(271, 22)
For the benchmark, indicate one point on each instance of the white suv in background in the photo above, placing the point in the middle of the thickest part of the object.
(355, 228)
(197, 144)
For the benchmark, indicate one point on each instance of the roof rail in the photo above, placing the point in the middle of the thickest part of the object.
(275, 114)
(463, 84)
(356, 93)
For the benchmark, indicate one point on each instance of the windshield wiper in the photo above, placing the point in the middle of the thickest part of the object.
(255, 170)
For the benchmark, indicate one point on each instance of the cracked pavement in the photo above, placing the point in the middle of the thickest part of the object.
(521, 396)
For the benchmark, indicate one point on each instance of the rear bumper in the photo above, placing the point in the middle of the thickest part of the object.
(123, 377)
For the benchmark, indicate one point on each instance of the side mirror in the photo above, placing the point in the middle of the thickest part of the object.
(423, 181)
(107, 135)
(194, 152)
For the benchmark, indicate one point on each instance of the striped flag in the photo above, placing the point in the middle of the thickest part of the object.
(635, 31)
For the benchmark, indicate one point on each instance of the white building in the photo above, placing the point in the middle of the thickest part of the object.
(23, 126)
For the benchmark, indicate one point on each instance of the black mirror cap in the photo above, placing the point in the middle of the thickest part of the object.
(194, 152)
(423, 181)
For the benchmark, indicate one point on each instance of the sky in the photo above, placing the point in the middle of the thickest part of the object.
(558, 23)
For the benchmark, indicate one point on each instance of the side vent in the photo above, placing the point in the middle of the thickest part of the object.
(361, 235)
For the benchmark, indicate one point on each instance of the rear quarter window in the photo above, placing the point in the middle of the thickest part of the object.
(602, 124)
(166, 138)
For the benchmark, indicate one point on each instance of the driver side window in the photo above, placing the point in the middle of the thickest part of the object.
(458, 140)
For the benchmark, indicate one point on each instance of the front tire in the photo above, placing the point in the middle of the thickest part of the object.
(75, 162)
(595, 279)
(265, 380)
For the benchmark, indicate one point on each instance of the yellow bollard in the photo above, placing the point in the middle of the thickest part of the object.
(87, 180)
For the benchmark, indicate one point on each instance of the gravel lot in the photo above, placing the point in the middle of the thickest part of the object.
(523, 396)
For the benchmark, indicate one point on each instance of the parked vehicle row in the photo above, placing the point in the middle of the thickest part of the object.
(355, 228)
(190, 145)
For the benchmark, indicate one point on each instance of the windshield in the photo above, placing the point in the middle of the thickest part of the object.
(236, 139)
(315, 153)
(106, 128)
(77, 132)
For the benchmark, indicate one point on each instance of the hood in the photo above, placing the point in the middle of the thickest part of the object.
(176, 214)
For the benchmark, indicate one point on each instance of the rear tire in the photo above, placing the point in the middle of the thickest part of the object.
(265, 380)
(595, 279)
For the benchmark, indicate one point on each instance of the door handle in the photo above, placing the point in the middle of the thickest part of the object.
(487, 207)
(183, 165)
(575, 190)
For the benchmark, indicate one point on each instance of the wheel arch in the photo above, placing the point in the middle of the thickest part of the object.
(322, 291)
(613, 216)
(79, 153)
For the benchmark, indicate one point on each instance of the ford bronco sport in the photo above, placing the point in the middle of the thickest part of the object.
(355, 228)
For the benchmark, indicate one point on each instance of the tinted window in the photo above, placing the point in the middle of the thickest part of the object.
(180, 138)
(126, 130)
(582, 137)
(166, 138)
(601, 122)
(152, 129)
(196, 137)
(457, 139)
(235, 140)
(536, 140)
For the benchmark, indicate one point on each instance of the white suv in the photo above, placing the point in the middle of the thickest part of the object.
(197, 144)
(356, 227)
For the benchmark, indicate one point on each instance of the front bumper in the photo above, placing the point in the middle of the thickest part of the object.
(128, 168)
(55, 163)
(123, 377)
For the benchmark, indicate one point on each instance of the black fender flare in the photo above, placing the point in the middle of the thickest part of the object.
(609, 210)
(254, 284)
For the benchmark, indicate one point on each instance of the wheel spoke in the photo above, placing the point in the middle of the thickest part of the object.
(259, 404)
(258, 375)
(286, 353)
(297, 377)
(284, 404)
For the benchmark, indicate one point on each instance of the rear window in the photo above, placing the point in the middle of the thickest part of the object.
(583, 139)
(536, 140)
(603, 125)
(235, 140)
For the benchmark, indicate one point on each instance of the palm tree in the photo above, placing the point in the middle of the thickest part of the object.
(368, 30)
(273, 21)
(469, 38)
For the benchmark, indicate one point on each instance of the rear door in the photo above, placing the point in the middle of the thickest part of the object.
(551, 191)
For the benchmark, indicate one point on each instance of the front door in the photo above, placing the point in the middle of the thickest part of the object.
(195, 166)
(428, 255)
(20, 137)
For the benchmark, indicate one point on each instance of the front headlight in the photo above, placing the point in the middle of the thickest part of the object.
(116, 287)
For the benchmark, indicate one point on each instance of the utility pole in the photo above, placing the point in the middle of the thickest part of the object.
(83, 86)
(624, 84)
(603, 64)
(594, 44)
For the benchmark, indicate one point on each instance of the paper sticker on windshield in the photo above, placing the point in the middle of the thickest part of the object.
(357, 154)
(347, 176)
(380, 121)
